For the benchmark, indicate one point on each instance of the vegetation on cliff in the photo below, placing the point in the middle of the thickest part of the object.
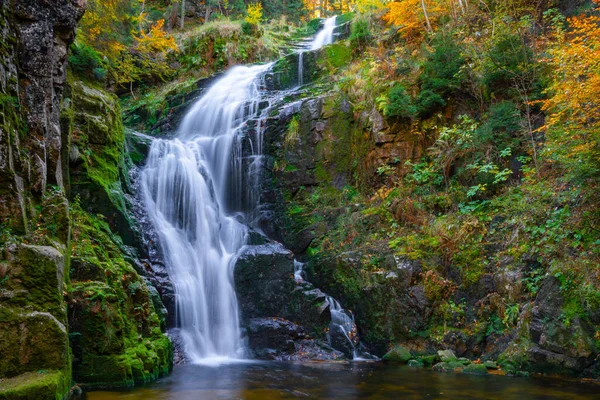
(467, 156)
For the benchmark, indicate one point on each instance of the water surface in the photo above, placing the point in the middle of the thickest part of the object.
(271, 380)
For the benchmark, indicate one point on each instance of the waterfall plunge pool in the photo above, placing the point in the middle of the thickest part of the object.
(364, 380)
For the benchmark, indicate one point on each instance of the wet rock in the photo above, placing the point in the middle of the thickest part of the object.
(415, 363)
(264, 280)
(490, 365)
(270, 337)
(451, 366)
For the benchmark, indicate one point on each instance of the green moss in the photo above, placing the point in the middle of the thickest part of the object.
(42, 385)
(398, 354)
(475, 369)
(335, 56)
(115, 330)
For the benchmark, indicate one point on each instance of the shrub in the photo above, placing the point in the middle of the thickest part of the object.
(359, 31)
(440, 77)
(509, 59)
(87, 62)
(429, 102)
(501, 127)
(399, 104)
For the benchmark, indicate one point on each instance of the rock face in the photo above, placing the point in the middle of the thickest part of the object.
(33, 157)
(319, 148)
(279, 339)
(60, 138)
(549, 344)
(33, 317)
(33, 74)
(282, 317)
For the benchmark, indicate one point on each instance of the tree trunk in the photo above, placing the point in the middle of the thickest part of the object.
(429, 28)
(182, 20)
(207, 14)
(141, 15)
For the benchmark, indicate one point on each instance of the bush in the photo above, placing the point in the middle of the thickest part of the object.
(399, 104)
(429, 102)
(441, 70)
(248, 28)
(85, 61)
(359, 31)
(509, 58)
(502, 126)
(440, 77)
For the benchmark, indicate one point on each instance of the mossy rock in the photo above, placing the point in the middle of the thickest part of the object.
(451, 366)
(447, 355)
(398, 354)
(46, 385)
(334, 56)
(475, 369)
(116, 332)
(416, 363)
(491, 365)
(464, 361)
(430, 359)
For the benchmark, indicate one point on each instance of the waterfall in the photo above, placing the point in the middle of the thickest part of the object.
(342, 325)
(300, 68)
(193, 191)
(325, 36)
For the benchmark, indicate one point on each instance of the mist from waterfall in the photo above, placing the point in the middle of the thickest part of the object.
(192, 189)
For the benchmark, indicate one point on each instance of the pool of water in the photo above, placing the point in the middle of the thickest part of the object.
(273, 380)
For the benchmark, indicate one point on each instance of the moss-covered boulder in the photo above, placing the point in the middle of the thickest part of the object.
(115, 329)
(97, 157)
(398, 354)
(42, 385)
(475, 369)
(447, 355)
(33, 318)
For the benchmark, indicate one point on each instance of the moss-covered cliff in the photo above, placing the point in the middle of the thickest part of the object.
(72, 309)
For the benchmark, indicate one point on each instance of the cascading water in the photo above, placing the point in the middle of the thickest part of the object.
(342, 327)
(192, 189)
(301, 68)
(325, 36)
(199, 196)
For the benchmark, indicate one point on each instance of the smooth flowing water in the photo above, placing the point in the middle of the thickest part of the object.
(323, 38)
(342, 323)
(325, 35)
(193, 192)
(364, 380)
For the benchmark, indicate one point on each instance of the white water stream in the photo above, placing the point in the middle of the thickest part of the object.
(323, 38)
(325, 35)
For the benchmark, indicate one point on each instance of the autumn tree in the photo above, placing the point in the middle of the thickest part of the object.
(573, 103)
(412, 17)
(254, 13)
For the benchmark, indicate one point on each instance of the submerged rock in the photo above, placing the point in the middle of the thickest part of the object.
(475, 369)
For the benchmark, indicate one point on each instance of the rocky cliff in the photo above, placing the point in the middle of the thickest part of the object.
(73, 309)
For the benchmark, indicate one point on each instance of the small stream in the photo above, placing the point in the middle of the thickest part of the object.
(365, 380)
